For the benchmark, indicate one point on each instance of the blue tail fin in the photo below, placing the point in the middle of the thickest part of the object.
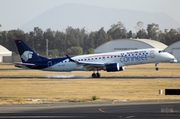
(26, 53)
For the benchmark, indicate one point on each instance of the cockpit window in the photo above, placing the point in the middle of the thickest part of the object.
(162, 51)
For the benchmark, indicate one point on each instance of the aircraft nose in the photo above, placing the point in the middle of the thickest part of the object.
(172, 58)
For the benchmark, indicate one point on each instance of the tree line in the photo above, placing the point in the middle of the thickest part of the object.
(75, 41)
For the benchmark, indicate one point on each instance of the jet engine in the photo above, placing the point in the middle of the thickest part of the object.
(113, 67)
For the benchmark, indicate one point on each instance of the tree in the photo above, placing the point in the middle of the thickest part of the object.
(172, 36)
(88, 42)
(75, 41)
(90, 51)
(53, 53)
(72, 37)
(101, 37)
(38, 40)
(152, 30)
(139, 26)
(60, 42)
(130, 34)
(75, 51)
(141, 34)
(48, 37)
(117, 31)
(11, 35)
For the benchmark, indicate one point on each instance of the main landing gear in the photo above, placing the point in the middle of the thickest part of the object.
(96, 75)
(156, 67)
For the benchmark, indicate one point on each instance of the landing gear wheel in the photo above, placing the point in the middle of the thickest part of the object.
(156, 67)
(98, 75)
(94, 75)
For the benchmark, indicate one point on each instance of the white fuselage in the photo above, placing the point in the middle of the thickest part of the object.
(123, 58)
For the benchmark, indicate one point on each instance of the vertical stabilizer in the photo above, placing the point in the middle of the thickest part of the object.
(27, 55)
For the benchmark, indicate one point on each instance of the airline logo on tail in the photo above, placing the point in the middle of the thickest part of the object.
(26, 55)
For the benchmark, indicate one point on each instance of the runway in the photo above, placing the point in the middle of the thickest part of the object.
(89, 77)
(94, 110)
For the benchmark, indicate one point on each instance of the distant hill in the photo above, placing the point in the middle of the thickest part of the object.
(93, 18)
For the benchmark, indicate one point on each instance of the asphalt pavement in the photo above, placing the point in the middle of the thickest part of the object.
(94, 110)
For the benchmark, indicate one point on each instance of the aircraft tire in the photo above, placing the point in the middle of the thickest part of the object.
(94, 75)
(98, 75)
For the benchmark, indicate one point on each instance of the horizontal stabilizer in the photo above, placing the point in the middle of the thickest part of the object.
(22, 65)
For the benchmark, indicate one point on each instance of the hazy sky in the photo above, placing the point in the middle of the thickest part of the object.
(15, 13)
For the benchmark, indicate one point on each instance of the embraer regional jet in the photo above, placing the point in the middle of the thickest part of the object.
(110, 62)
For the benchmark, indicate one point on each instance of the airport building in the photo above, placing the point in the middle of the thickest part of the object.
(174, 49)
(129, 44)
(4, 52)
(134, 44)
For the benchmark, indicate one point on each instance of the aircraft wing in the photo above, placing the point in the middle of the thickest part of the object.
(91, 65)
(88, 65)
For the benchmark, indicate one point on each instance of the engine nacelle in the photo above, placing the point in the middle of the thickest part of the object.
(113, 67)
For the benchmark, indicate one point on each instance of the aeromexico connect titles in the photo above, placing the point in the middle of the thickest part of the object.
(110, 61)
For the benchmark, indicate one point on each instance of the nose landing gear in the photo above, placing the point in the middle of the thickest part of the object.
(156, 67)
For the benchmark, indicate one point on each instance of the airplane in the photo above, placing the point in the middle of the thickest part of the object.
(110, 61)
